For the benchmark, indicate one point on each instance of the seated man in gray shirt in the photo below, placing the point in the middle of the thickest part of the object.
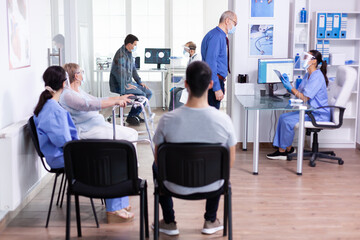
(196, 121)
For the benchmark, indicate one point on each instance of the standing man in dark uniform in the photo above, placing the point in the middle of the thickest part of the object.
(215, 52)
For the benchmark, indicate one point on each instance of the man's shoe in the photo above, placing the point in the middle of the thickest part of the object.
(134, 121)
(277, 155)
(167, 228)
(140, 119)
(212, 227)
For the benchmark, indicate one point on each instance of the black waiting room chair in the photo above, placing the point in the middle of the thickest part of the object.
(103, 169)
(58, 171)
(193, 165)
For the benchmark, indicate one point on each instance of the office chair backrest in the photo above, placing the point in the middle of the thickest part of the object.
(340, 91)
(192, 164)
(100, 163)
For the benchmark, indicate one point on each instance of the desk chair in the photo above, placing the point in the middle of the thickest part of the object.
(339, 94)
(57, 171)
(193, 165)
(103, 169)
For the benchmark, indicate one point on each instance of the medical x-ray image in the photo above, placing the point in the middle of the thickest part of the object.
(261, 40)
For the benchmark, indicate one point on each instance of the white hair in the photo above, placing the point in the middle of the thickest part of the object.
(227, 14)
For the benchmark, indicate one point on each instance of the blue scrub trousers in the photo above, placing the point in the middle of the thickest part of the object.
(114, 204)
(284, 135)
(139, 91)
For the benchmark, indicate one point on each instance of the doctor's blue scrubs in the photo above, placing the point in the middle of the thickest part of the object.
(313, 87)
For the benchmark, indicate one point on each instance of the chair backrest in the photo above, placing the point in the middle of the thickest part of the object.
(193, 164)
(340, 90)
(99, 163)
(33, 133)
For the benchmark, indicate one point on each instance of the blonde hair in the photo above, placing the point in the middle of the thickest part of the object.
(71, 69)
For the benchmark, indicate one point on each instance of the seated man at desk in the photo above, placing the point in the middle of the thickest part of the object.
(196, 121)
(123, 69)
(312, 89)
(175, 94)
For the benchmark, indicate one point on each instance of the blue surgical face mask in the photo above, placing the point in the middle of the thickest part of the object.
(232, 30)
(134, 49)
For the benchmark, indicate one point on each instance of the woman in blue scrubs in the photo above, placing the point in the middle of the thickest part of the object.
(312, 90)
(55, 128)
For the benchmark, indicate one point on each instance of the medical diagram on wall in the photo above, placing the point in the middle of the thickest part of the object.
(261, 40)
(262, 8)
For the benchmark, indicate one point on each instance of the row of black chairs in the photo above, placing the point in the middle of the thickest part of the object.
(108, 169)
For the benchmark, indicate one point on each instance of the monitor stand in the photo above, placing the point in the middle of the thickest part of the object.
(159, 66)
(271, 91)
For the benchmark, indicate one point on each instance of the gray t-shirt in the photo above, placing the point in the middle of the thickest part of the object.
(205, 125)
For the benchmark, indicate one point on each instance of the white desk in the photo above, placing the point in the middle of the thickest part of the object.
(258, 103)
(163, 71)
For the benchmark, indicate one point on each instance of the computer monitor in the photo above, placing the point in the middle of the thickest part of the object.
(157, 56)
(267, 75)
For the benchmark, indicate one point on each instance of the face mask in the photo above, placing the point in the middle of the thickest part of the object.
(67, 84)
(134, 49)
(186, 53)
(232, 30)
(307, 58)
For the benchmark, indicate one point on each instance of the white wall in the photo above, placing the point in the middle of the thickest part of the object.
(20, 88)
(21, 170)
(243, 64)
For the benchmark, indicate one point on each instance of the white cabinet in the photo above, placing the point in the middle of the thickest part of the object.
(299, 33)
(348, 46)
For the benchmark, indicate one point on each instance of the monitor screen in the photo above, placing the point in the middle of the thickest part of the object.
(157, 55)
(266, 67)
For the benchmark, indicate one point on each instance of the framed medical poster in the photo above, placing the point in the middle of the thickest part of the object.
(261, 39)
(262, 8)
(18, 33)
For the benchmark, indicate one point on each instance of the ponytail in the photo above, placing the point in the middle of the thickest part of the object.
(317, 55)
(323, 69)
(53, 77)
(45, 95)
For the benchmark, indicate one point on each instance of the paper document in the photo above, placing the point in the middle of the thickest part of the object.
(184, 96)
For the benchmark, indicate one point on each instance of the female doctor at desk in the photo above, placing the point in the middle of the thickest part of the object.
(312, 89)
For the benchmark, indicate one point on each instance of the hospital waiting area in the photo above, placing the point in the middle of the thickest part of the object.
(180, 119)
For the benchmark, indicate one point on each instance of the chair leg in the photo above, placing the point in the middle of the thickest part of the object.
(95, 216)
(68, 212)
(226, 210)
(62, 180)
(78, 221)
(142, 200)
(63, 192)
(156, 215)
(229, 214)
(51, 201)
(146, 213)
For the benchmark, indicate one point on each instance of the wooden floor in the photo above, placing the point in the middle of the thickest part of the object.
(323, 203)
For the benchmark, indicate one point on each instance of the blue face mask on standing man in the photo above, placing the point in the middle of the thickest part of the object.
(232, 30)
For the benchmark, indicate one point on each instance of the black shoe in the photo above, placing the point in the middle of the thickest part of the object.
(277, 155)
(134, 121)
(140, 119)
(292, 150)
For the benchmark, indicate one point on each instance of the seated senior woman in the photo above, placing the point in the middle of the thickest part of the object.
(84, 110)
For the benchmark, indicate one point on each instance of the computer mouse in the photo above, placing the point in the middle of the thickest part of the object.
(287, 95)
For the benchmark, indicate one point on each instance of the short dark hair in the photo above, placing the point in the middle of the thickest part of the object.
(130, 39)
(198, 77)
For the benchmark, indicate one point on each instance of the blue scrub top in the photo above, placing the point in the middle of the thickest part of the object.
(314, 87)
(54, 128)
